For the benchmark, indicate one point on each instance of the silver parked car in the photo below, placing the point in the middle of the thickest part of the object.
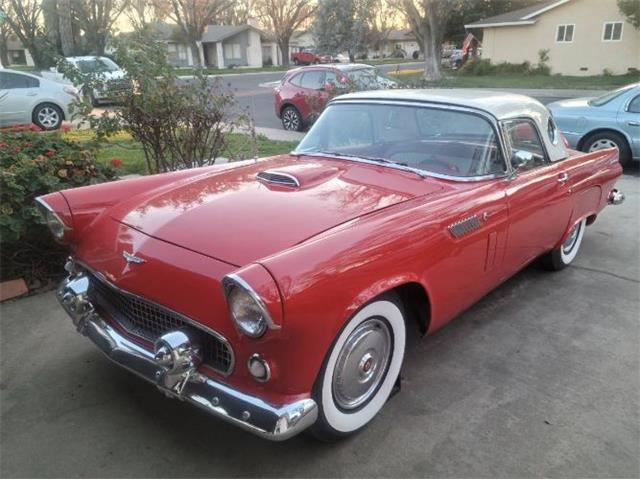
(26, 99)
(611, 120)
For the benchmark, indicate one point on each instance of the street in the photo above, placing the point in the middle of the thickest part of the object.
(539, 379)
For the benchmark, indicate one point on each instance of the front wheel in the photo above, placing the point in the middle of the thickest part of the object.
(360, 370)
(562, 256)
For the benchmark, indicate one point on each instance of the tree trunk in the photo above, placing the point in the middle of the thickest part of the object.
(432, 53)
(50, 17)
(65, 28)
(195, 53)
(4, 54)
(284, 50)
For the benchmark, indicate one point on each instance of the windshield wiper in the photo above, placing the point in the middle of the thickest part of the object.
(401, 166)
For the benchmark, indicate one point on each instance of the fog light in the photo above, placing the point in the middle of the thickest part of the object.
(259, 368)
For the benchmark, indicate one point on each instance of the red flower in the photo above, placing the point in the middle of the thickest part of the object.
(116, 162)
(50, 153)
(66, 127)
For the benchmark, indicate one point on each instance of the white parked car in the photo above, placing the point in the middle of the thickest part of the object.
(26, 98)
(103, 68)
(341, 58)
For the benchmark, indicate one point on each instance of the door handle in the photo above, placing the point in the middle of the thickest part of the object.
(633, 124)
(563, 177)
(32, 94)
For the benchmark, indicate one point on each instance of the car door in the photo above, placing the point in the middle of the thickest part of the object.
(17, 94)
(315, 96)
(629, 121)
(538, 196)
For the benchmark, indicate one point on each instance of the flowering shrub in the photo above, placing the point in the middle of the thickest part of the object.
(33, 164)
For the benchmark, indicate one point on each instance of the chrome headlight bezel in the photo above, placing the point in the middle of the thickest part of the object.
(256, 318)
(56, 225)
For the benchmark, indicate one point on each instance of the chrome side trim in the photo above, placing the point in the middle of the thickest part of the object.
(232, 280)
(171, 367)
(465, 226)
(182, 317)
(268, 177)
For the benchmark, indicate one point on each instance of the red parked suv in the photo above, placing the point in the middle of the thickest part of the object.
(309, 57)
(303, 92)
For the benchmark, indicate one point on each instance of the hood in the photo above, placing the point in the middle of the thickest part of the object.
(244, 213)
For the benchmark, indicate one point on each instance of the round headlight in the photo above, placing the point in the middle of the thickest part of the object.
(246, 312)
(55, 225)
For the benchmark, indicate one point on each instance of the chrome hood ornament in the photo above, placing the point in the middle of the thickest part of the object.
(131, 258)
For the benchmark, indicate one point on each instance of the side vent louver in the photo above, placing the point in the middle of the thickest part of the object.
(465, 226)
(278, 178)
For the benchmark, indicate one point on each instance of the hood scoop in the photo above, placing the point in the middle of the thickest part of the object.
(278, 178)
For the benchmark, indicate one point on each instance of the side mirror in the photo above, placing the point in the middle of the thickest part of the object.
(327, 87)
(521, 158)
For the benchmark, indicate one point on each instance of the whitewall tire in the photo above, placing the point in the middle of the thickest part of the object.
(562, 256)
(361, 369)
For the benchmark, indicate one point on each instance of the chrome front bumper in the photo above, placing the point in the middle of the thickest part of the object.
(172, 366)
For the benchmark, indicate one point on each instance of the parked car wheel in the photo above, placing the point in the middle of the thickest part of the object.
(361, 369)
(561, 257)
(602, 140)
(47, 116)
(296, 61)
(291, 119)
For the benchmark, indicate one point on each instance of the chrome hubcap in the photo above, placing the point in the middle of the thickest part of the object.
(290, 120)
(602, 144)
(48, 117)
(570, 242)
(361, 364)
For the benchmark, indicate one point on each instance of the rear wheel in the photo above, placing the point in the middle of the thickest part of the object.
(562, 256)
(47, 116)
(291, 119)
(296, 61)
(360, 370)
(602, 140)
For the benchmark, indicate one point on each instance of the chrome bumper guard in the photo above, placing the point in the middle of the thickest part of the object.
(173, 364)
(616, 197)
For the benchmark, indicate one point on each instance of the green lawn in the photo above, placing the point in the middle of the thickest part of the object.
(596, 82)
(21, 68)
(130, 153)
(224, 71)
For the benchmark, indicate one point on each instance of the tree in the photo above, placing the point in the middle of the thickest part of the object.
(193, 16)
(142, 13)
(239, 14)
(428, 19)
(68, 42)
(631, 10)
(283, 17)
(4, 40)
(342, 25)
(23, 18)
(96, 18)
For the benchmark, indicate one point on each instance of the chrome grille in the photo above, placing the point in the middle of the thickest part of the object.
(149, 321)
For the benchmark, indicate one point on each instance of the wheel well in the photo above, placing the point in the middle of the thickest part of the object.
(285, 105)
(591, 218)
(417, 304)
(33, 112)
(601, 130)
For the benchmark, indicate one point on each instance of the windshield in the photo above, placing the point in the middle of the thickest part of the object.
(607, 97)
(370, 79)
(97, 65)
(428, 139)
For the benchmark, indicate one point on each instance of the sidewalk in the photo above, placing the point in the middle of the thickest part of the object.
(550, 92)
(280, 134)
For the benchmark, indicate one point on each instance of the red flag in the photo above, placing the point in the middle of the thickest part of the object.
(467, 43)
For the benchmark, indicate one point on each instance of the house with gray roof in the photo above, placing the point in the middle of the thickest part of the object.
(581, 37)
(232, 46)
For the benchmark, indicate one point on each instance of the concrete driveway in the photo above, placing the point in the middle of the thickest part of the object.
(539, 379)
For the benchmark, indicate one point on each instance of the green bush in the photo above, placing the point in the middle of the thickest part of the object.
(480, 67)
(33, 164)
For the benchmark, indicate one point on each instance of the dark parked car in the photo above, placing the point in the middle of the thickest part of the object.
(304, 91)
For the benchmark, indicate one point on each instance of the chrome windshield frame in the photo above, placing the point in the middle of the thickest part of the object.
(493, 121)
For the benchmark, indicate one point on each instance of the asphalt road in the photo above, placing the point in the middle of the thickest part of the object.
(541, 378)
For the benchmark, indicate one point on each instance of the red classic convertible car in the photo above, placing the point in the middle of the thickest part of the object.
(278, 293)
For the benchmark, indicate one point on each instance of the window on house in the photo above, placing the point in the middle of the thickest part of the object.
(612, 31)
(232, 50)
(565, 33)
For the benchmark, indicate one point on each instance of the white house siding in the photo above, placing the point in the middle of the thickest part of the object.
(586, 54)
(254, 49)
